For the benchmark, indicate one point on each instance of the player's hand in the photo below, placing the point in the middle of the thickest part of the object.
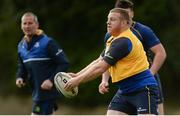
(73, 82)
(46, 85)
(19, 82)
(103, 87)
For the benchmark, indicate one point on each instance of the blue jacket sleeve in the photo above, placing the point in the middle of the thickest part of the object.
(21, 71)
(59, 58)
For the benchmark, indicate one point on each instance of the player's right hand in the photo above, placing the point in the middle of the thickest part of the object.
(103, 87)
(19, 82)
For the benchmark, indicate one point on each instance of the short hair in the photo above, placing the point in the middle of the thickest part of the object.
(125, 4)
(124, 14)
(31, 14)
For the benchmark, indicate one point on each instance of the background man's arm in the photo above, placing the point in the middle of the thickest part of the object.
(159, 58)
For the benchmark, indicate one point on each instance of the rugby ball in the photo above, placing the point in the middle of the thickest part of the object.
(60, 79)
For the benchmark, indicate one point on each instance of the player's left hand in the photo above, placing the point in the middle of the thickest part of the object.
(104, 87)
(46, 85)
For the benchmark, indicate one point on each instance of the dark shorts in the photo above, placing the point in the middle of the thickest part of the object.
(44, 107)
(142, 101)
(160, 97)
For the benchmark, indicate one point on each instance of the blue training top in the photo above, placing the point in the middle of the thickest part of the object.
(148, 38)
(40, 59)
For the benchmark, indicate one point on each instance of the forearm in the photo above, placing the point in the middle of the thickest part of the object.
(159, 58)
(105, 76)
(157, 63)
(95, 70)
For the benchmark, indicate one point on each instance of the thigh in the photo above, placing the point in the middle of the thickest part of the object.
(120, 105)
(145, 100)
(115, 112)
(44, 107)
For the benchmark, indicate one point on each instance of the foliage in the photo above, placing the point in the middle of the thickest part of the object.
(79, 26)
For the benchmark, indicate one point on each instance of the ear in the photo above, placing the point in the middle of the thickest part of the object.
(37, 25)
(21, 26)
(123, 23)
(132, 14)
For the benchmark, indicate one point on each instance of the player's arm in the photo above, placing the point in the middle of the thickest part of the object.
(159, 58)
(93, 64)
(104, 85)
(153, 43)
(118, 49)
(105, 76)
(93, 72)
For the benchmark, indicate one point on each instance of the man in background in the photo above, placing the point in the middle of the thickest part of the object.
(39, 59)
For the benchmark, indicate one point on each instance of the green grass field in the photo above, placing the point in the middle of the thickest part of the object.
(17, 106)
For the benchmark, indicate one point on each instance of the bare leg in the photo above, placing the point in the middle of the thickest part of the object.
(114, 112)
(161, 109)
